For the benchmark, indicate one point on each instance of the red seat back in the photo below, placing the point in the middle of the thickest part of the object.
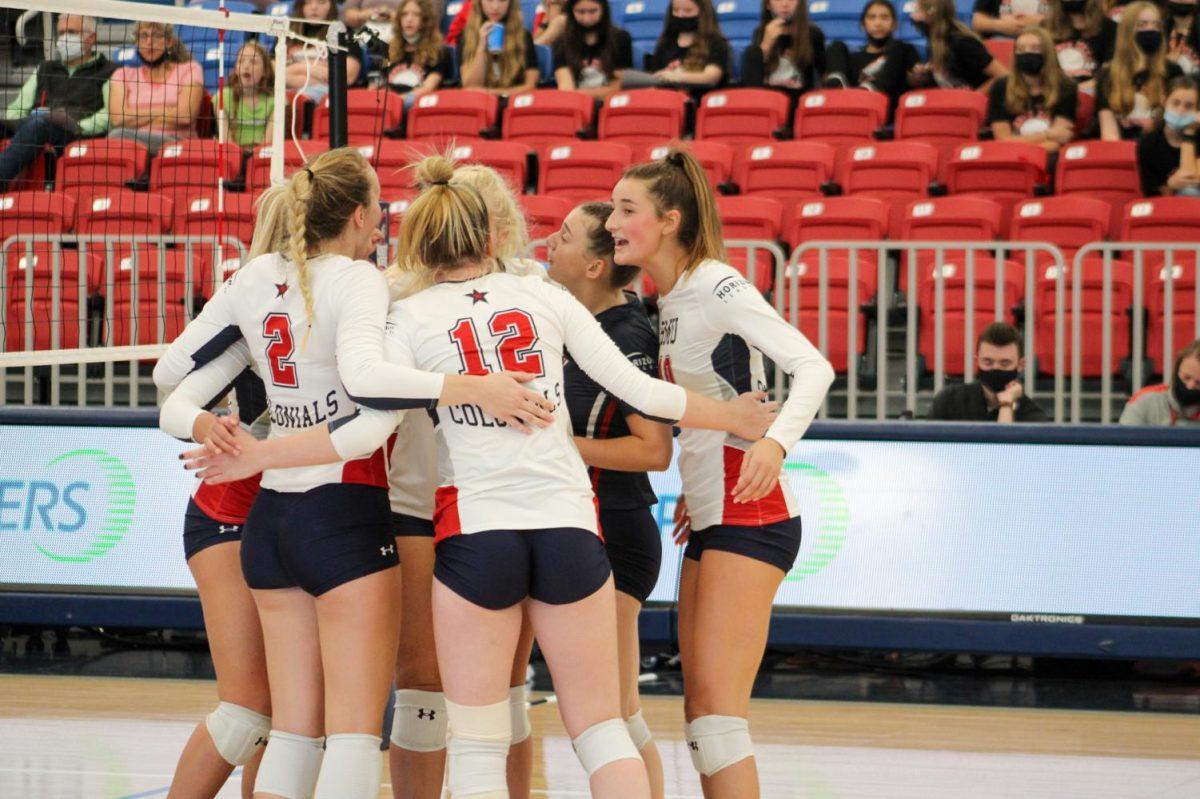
(642, 116)
(121, 212)
(716, 158)
(101, 164)
(452, 114)
(843, 116)
(369, 112)
(544, 116)
(36, 213)
(582, 171)
(786, 170)
(741, 116)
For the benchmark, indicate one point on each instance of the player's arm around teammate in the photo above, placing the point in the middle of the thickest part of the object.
(714, 328)
(617, 443)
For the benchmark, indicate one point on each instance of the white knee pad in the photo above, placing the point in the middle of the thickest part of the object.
(237, 732)
(350, 769)
(604, 743)
(419, 721)
(477, 750)
(717, 742)
(290, 765)
(639, 730)
(518, 704)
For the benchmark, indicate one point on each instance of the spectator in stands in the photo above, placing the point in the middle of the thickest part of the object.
(882, 63)
(64, 99)
(1166, 154)
(957, 57)
(308, 70)
(549, 22)
(691, 51)
(996, 394)
(1007, 18)
(787, 51)
(1083, 35)
(378, 14)
(1131, 87)
(495, 51)
(249, 99)
(1036, 103)
(1173, 405)
(593, 53)
(420, 63)
(158, 101)
(1183, 35)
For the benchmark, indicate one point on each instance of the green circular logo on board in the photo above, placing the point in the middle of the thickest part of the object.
(83, 510)
(832, 521)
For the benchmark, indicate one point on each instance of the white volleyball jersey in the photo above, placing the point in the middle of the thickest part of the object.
(314, 372)
(490, 476)
(714, 328)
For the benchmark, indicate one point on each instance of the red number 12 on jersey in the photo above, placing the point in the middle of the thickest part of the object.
(516, 348)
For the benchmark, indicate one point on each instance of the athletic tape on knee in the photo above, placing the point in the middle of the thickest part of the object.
(518, 704)
(350, 769)
(604, 743)
(639, 730)
(290, 765)
(237, 732)
(717, 742)
(477, 750)
(419, 720)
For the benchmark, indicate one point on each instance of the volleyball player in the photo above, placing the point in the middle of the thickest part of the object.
(515, 516)
(318, 551)
(714, 328)
(617, 443)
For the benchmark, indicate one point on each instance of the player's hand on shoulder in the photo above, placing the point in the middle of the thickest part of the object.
(760, 471)
(751, 415)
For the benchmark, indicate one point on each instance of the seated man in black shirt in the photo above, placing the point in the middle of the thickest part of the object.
(996, 395)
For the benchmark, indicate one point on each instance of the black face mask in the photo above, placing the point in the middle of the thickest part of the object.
(1181, 9)
(996, 379)
(684, 24)
(784, 42)
(1149, 42)
(152, 64)
(922, 26)
(1074, 6)
(879, 41)
(1029, 63)
(1186, 397)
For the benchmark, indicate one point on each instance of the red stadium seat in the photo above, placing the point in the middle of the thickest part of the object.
(1162, 219)
(1001, 50)
(1182, 276)
(544, 215)
(833, 218)
(952, 218)
(99, 165)
(942, 117)
(840, 116)
(34, 176)
(1066, 222)
(452, 115)
(510, 159)
(37, 264)
(396, 209)
(199, 216)
(391, 161)
(789, 171)
(1004, 171)
(897, 172)
(716, 158)
(121, 212)
(1092, 320)
(158, 299)
(36, 213)
(192, 166)
(258, 167)
(582, 171)
(369, 112)
(988, 278)
(1101, 170)
(752, 218)
(741, 116)
(642, 116)
(803, 280)
(545, 116)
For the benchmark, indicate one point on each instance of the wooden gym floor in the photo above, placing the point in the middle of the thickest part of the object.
(118, 738)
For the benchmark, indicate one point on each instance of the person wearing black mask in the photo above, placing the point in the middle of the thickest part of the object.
(881, 64)
(1130, 88)
(787, 51)
(690, 52)
(1183, 36)
(957, 56)
(996, 395)
(1036, 103)
(1084, 36)
(156, 102)
(592, 53)
(1173, 404)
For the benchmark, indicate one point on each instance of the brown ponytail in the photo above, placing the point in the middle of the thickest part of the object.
(678, 183)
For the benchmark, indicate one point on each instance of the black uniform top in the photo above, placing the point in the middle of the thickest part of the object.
(966, 403)
(597, 414)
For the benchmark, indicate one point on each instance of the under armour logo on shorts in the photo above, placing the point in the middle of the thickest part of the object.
(388, 550)
(228, 528)
(422, 713)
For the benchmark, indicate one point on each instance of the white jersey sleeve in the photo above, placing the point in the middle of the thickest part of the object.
(212, 332)
(735, 305)
(369, 379)
(604, 362)
(201, 389)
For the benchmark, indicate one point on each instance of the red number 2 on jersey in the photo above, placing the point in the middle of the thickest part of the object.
(516, 347)
(277, 330)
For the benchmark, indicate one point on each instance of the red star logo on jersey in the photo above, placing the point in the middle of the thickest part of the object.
(280, 289)
(476, 296)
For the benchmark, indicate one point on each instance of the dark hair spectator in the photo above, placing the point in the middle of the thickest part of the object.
(64, 99)
(1166, 154)
(881, 64)
(996, 394)
(158, 101)
(1036, 101)
(957, 57)
(503, 62)
(1175, 403)
(419, 63)
(691, 51)
(1131, 87)
(592, 53)
(1083, 35)
(787, 51)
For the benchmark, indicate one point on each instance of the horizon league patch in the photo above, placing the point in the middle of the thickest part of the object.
(643, 361)
(731, 286)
